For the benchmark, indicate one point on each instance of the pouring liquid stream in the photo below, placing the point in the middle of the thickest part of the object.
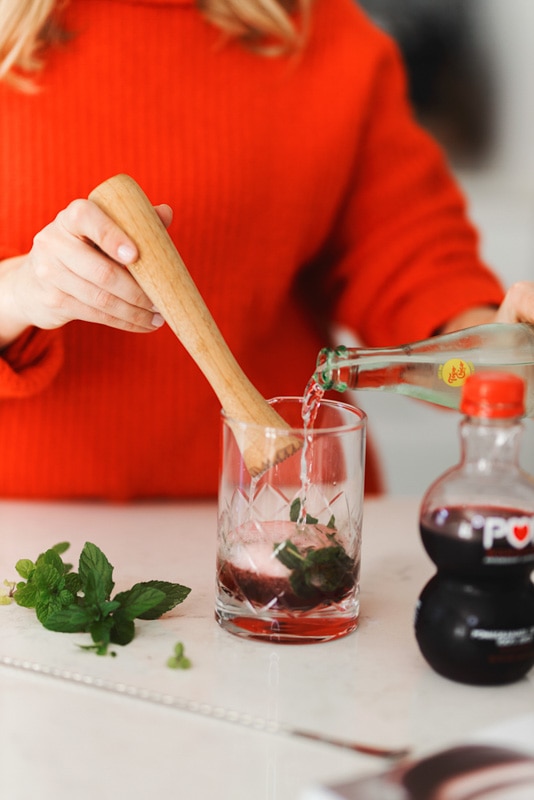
(313, 395)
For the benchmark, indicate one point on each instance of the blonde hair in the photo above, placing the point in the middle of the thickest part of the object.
(267, 26)
(27, 27)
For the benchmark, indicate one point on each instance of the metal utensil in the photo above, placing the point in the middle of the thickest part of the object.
(196, 707)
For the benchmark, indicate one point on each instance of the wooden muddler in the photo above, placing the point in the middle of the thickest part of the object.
(163, 276)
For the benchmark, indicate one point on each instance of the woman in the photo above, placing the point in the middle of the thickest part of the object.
(303, 195)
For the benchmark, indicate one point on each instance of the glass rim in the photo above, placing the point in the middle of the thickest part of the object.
(359, 418)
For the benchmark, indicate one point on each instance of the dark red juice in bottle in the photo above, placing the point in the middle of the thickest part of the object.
(479, 540)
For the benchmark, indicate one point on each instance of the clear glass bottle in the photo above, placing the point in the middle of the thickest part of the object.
(433, 369)
(475, 618)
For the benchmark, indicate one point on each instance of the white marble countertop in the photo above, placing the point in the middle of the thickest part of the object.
(78, 725)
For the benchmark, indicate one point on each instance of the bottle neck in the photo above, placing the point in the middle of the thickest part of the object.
(488, 443)
(434, 369)
(358, 367)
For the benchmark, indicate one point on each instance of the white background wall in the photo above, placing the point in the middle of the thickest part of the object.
(417, 442)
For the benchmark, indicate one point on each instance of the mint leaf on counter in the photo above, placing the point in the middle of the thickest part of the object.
(95, 571)
(138, 600)
(178, 660)
(72, 619)
(81, 602)
(173, 594)
(24, 567)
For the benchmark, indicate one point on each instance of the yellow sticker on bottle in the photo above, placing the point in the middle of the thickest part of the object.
(455, 371)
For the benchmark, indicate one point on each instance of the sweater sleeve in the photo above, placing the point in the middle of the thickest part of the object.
(406, 255)
(30, 363)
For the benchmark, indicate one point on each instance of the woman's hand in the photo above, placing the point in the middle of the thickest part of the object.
(76, 270)
(517, 306)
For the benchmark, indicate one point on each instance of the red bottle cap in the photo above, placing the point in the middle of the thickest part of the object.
(493, 395)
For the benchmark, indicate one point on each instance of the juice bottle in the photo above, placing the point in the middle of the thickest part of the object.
(474, 621)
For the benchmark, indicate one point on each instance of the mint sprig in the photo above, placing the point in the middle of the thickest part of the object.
(322, 574)
(49, 586)
(81, 602)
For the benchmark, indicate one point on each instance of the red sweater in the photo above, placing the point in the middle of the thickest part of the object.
(302, 192)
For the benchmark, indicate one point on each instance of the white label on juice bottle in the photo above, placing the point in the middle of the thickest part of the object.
(516, 531)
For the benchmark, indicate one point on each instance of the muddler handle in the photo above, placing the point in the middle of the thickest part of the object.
(163, 276)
